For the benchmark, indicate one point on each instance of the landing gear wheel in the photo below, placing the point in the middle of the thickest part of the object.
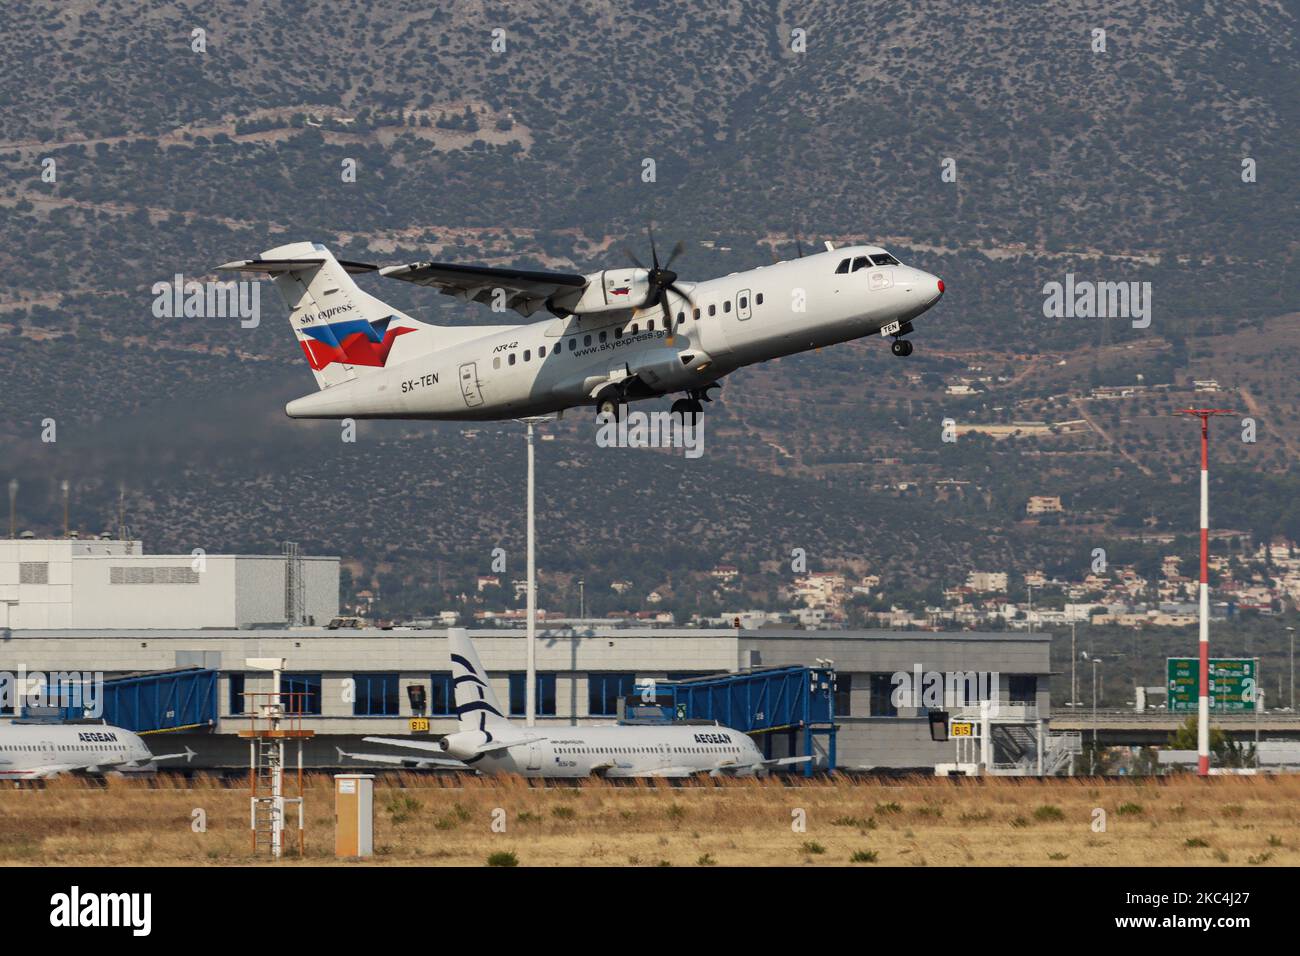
(901, 347)
(607, 407)
(688, 408)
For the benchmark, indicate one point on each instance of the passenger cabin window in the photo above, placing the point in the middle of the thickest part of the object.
(861, 262)
(744, 302)
(726, 306)
(843, 267)
(604, 337)
(512, 358)
(618, 333)
(713, 310)
(636, 327)
(884, 259)
(586, 340)
(758, 299)
(650, 326)
(496, 362)
(541, 351)
(528, 354)
(573, 344)
(681, 317)
(697, 314)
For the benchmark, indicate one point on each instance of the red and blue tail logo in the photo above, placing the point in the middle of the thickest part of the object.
(354, 342)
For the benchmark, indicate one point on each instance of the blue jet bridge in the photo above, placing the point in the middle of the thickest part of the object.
(762, 702)
(149, 702)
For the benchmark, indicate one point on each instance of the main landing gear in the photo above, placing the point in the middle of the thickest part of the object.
(901, 347)
(692, 406)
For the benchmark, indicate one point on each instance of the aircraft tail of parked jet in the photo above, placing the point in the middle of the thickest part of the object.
(477, 707)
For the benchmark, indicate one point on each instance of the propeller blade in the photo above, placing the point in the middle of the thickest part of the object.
(798, 245)
(654, 253)
(678, 290)
(668, 316)
(635, 261)
(677, 251)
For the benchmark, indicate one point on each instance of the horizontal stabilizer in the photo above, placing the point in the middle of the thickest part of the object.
(400, 760)
(785, 761)
(274, 266)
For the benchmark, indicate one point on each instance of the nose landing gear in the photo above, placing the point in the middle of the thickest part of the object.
(901, 347)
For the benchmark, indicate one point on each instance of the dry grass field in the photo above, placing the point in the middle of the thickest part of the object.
(421, 820)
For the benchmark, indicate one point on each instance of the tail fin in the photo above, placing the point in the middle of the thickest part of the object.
(476, 703)
(344, 331)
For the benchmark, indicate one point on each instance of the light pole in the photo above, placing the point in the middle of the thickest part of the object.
(1074, 659)
(1203, 709)
(530, 678)
(1092, 760)
(1291, 634)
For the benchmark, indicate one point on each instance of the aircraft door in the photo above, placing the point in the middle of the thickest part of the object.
(712, 335)
(534, 756)
(469, 389)
(743, 308)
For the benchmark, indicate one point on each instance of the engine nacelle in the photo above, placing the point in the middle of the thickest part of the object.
(668, 370)
(612, 290)
(463, 744)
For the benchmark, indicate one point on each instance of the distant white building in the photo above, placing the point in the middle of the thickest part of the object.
(97, 583)
(985, 581)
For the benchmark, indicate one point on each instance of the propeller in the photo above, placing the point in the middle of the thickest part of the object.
(661, 280)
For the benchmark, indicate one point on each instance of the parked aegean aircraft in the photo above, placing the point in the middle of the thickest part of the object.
(485, 740)
(36, 750)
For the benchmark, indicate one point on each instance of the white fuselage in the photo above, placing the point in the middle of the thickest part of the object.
(623, 750)
(36, 750)
(548, 366)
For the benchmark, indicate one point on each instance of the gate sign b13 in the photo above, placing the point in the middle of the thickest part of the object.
(1232, 683)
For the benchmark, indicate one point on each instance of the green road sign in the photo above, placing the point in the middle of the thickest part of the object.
(1232, 684)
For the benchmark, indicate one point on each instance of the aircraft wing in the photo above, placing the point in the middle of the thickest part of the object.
(433, 745)
(526, 290)
(412, 762)
(668, 772)
(38, 773)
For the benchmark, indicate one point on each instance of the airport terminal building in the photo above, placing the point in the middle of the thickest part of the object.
(93, 583)
(356, 683)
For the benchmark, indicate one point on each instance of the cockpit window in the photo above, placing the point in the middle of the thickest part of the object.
(884, 259)
(859, 263)
(842, 267)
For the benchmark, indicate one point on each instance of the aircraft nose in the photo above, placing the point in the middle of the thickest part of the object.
(925, 288)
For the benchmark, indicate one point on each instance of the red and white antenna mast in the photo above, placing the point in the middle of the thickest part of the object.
(1203, 708)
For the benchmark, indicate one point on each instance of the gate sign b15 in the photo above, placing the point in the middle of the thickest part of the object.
(1232, 683)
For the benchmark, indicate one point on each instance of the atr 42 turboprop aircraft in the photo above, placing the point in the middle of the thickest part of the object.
(39, 749)
(485, 740)
(614, 336)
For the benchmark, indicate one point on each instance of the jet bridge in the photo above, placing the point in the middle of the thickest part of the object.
(146, 702)
(764, 702)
